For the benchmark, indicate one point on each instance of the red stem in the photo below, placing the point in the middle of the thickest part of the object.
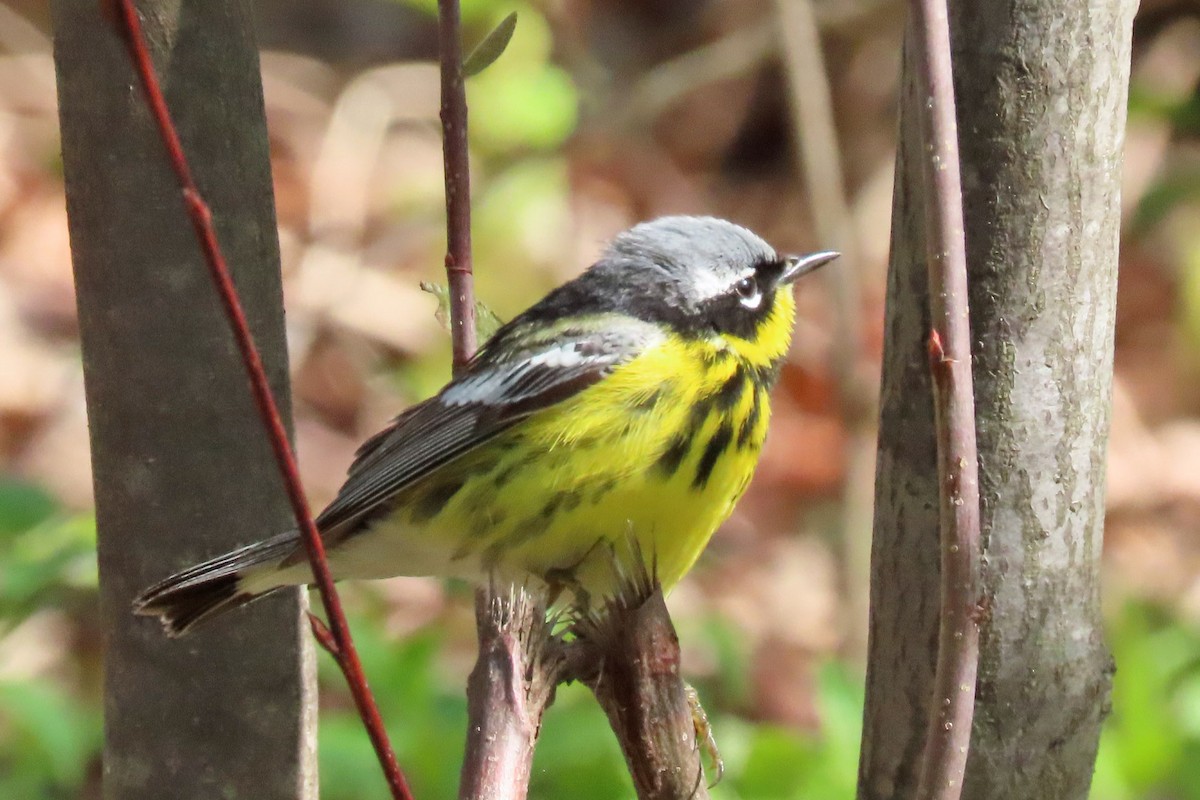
(201, 216)
(458, 185)
(949, 734)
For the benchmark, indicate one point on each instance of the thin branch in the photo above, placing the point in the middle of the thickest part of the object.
(129, 26)
(949, 733)
(458, 185)
(511, 684)
(519, 662)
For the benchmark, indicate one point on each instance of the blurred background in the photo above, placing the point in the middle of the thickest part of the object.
(601, 114)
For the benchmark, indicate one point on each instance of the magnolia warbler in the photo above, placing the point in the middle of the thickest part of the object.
(628, 405)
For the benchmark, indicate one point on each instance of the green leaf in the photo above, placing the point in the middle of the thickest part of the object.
(41, 563)
(491, 48)
(486, 321)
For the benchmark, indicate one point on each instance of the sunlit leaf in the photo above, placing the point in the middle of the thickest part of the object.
(492, 46)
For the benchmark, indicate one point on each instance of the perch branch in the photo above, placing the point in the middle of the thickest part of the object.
(628, 654)
(130, 29)
(510, 688)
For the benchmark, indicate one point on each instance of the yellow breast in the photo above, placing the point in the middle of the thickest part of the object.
(661, 450)
(656, 453)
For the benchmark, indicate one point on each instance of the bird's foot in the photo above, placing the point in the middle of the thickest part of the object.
(704, 734)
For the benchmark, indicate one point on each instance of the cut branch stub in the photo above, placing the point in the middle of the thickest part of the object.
(509, 690)
(628, 654)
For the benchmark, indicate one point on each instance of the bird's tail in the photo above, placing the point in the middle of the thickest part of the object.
(214, 586)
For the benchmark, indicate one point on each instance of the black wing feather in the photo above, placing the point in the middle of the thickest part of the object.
(489, 399)
(410, 449)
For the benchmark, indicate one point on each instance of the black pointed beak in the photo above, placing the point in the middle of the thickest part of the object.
(796, 266)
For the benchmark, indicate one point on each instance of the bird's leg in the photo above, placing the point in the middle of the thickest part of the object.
(704, 733)
(560, 579)
(563, 578)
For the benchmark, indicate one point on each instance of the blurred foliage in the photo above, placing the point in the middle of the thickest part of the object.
(521, 101)
(577, 755)
(1151, 744)
(1181, 114)
(44, 557)
(543, 94)
(768, 761)
(48, 738)
(1174, 192)
(524, 107)
(473, 11)
(1189, 292)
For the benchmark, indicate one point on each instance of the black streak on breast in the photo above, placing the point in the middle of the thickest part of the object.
(717, 445)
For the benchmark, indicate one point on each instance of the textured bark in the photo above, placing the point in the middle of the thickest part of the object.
(182, 467)
(629, 656)
(509, 690)
(1041, 89)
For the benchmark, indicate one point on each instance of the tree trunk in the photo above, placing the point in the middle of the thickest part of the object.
(181, 464)
(1041, 89)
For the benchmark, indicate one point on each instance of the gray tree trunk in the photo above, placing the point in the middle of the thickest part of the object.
(1041, 88)
(182, 467)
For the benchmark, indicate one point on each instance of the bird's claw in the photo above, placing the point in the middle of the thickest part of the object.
(704, 734)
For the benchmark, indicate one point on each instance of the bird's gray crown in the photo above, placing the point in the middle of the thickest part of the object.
(678, 272)
(680, 242)
(713, 253)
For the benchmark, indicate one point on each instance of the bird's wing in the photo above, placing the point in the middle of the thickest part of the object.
(502, 386)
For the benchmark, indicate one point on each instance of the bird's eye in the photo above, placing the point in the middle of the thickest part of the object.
(747, 290)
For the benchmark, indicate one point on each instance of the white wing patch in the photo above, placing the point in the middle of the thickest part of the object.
(541, 367)
(477, 388)
(564, 355)
(505, 382)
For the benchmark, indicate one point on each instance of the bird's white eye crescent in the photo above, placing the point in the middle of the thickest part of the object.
(747, 290)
